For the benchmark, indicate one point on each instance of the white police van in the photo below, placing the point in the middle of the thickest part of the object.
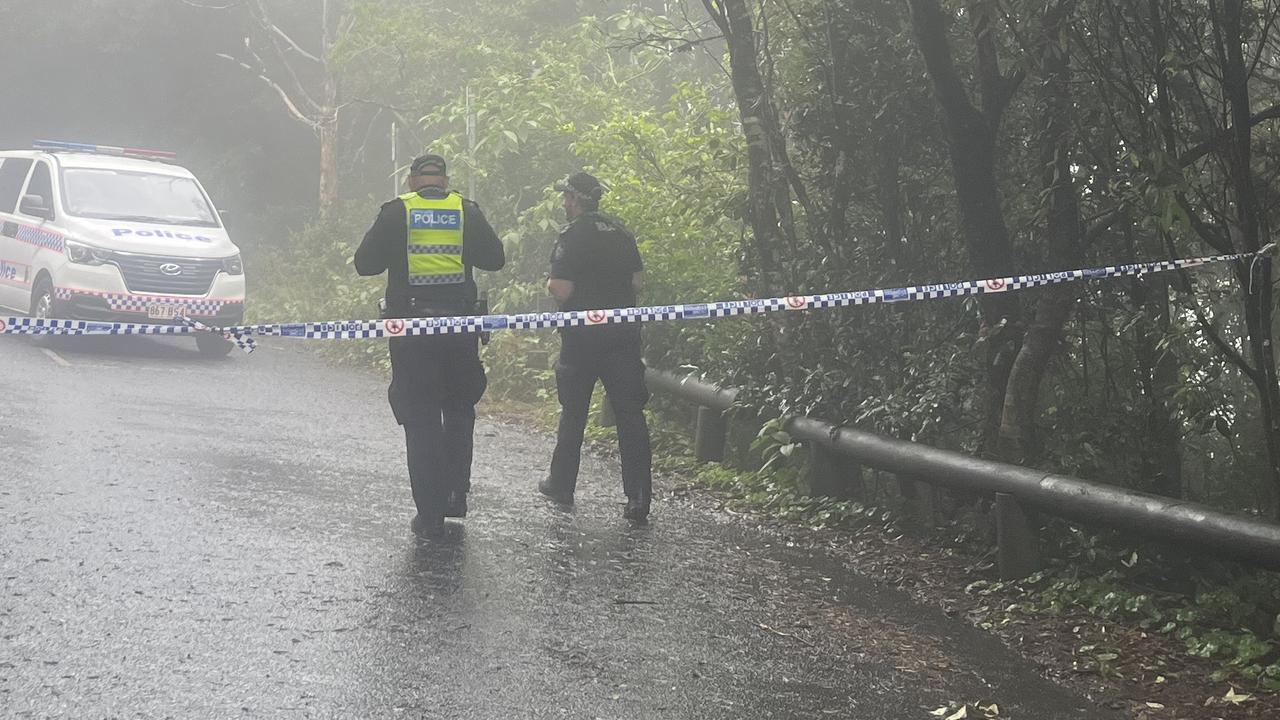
(90, 232)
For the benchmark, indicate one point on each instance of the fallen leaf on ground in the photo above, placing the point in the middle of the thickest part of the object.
(1236, 698)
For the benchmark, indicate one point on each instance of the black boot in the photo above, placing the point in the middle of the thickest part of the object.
(427, 526)
(548, 488)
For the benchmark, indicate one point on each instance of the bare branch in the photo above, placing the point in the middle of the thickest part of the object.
(260, 16)
(360, 152)
(684, 12)
(277, 32)
(284, 96)
(298, 88)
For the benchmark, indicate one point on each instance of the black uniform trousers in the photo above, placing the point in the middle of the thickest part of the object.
(436, 381)
(614, 358)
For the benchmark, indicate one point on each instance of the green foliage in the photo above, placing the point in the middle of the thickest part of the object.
(545, 105)
(774, 445)
(667, 151)
(313, 278)
(1136, 379)
(776, 490)
(1227, 617)
(778, 494)
(521, 366)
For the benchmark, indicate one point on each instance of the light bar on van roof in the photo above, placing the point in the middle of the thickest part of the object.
(59, 146)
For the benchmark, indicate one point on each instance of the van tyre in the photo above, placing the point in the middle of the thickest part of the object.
(43, 307)
(211, 345)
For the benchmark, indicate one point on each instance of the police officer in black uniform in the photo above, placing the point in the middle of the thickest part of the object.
(596, 265)
(428, 241)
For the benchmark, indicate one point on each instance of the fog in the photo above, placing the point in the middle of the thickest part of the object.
(143, 73)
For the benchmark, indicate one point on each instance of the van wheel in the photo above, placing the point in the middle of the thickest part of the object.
(43, 308)
(42, 300)
(211, 345)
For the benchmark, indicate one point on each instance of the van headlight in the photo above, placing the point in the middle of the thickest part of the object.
(233, 265)
(86, 254)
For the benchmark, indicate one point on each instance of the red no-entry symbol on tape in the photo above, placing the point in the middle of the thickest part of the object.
(394, 327)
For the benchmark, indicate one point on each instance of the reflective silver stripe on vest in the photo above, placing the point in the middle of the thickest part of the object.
(437, 279)
(434, 249)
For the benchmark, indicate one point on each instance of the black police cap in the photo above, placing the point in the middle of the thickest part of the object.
(428, 165)
(583, 184)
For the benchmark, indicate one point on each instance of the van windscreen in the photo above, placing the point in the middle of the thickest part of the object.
(105, 194)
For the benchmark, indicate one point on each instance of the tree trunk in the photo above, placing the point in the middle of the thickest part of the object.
(327, 130)
(1163, 458)
(971, 133)
(1019, 440)
(766, 187)
(1255, 277)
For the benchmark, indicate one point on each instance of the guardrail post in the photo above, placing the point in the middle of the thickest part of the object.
(709, 438)
(1018, 547)
(921, 499)
(824, 473)
(833, 475)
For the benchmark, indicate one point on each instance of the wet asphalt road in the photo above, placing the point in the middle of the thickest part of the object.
(191, 538)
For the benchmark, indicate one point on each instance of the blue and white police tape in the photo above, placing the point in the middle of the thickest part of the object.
(409, 327)
(35, 326)
(240, 340)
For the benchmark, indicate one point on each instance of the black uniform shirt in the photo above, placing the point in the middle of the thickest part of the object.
(385, 249)
(599, 256)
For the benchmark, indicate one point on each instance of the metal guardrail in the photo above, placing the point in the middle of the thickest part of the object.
(1242, 538)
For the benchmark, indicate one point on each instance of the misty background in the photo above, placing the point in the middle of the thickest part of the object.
(148, 73)
(144, 74)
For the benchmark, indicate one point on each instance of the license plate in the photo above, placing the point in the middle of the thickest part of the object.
(164, 311)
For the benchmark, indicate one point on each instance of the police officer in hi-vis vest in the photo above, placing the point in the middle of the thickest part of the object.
(596, 265)
(427, 241)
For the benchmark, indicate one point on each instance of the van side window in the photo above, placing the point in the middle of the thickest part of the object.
(12, 172)
(41, 184)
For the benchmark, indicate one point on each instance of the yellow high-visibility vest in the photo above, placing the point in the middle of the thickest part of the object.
(435, 239)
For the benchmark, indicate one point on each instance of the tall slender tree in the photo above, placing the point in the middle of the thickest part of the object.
(307, 82)
(973, 128)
